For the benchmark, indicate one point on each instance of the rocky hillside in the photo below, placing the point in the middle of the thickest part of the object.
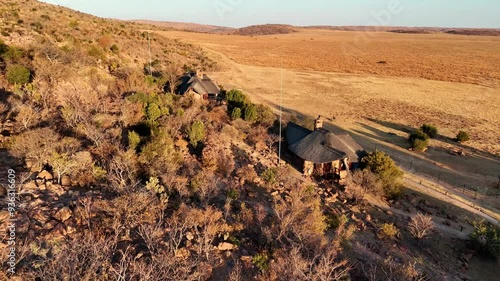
(111, 177)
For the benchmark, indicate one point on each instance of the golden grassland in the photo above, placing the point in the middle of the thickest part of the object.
(443, 57)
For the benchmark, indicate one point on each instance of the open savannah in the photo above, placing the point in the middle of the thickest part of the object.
(164, 150)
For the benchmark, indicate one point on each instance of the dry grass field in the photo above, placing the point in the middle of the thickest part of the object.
(443, 57)
(451, 81)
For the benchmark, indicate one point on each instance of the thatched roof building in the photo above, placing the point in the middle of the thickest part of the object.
(201, 85)
(322, 148)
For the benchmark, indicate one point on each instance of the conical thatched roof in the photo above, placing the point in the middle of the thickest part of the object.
(321, 146)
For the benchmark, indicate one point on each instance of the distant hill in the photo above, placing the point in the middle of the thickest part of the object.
(267, 29)
(414, 30)
(270, 29)
(193, 27)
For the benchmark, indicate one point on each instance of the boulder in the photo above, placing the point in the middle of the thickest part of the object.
(56, 189)
(4, 215)
(205, 270)
(45, 175)
(58, 232)
(224, 246)
(63, 214)
(41, 216)
(65, 180)
(71, 226)
(50, 225)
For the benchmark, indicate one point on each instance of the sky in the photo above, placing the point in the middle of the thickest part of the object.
(240, 13)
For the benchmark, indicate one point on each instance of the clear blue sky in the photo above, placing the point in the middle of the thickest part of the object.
(239, 13)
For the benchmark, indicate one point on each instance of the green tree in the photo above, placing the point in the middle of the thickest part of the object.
(236, 98)
(133, 140)
(196, 133)
(153, 113)
(236, 113)
(429, 130)
(18, 74)
(250, 113)
(462, 136)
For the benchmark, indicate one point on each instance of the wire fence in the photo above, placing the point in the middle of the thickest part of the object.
(452, 181)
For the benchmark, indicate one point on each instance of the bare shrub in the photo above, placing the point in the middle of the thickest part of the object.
(84, 258)
(325, 265)
(247, 173)
(421, 226)
(369, 181)
(123, 170)
(36, 144)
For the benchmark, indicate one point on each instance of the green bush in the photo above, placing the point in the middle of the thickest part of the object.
(3, 48)
(265, 115)
(250, 113)
(236, 113)
(95, 52)
(420, 145)
(74, 24)
(389, 230)
(114, 48)
(386, 170)
(270, 176)
(462, 136)
(236, 98)
(233, 194)
(419, 140)
(18, 74)
(487, 238)
(14, 54)
(196, 133)
(261, 261)
(429, 130)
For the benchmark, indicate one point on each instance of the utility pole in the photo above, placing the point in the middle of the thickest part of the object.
(149, 46)
(281, 111)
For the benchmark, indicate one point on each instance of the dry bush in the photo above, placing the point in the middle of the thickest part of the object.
(167, 267)
(84, 258)
(128, 211)
(421, 226)
(300, 218)
(369, 181)
(225, 163)
(123, 171)
(236, 273)
(325, 265)
(355, 192)
(257, 134)
(207, 224)
(247, 173)
(206, 185)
